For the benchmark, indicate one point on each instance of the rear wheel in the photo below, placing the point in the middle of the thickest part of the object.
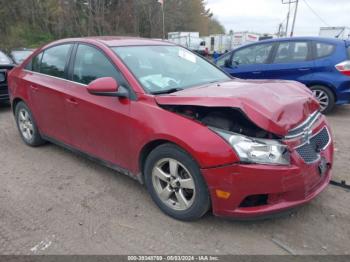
(175, 184)
(27, 126)
(325, 97)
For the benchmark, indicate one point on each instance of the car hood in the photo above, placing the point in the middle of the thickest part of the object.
(276, 106)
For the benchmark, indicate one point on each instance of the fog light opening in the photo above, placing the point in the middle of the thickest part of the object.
(254, 200)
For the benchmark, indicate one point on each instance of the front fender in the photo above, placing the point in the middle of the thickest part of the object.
(153, 123)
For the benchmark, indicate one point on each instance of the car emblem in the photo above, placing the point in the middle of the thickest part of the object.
(306, 135)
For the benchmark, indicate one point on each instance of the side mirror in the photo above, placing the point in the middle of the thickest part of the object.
(107, 86)
(228, 63)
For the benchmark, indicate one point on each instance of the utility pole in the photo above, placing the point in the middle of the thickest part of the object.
(295, 16)
(289, 2)
(163, 22)
(287, 25)
(163, 18)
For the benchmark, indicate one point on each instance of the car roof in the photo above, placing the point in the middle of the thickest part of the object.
(114, 41)
(305, 38)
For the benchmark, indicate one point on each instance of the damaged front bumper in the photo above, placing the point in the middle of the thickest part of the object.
(253, 190)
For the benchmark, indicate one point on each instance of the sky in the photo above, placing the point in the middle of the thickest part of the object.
(263, 16)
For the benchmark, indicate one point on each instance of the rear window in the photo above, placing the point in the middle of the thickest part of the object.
(4, 60)
(348, 48)
(324, 49)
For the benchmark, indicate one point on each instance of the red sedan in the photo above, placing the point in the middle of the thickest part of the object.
(159, 113)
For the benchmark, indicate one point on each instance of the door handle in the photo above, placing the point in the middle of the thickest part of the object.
(304, 69)
(256, 72)
(34, 88)
(72, 101)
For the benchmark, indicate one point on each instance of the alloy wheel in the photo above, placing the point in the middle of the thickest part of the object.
(173, 184)
(25, 124)
(322, 98)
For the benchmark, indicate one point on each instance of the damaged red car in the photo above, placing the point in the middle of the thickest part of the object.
(197, 138)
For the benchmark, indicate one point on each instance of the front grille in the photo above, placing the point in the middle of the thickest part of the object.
(307, 124)
(2, 77)
(309, 151)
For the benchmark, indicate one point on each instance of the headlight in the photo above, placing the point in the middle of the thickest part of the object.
(256, 150)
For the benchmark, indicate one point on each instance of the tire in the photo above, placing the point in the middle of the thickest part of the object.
(184, 193)
(325, 97)
(26, 125)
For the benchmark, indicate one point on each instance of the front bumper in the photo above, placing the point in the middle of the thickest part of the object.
(4, 93)
(280, 187)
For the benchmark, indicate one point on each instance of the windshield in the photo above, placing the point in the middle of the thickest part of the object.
(4, 60)
(20, 56)
(166, 69)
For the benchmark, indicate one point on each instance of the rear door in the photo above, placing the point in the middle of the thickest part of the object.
(45, 78)
(250, 62)
(292, 60)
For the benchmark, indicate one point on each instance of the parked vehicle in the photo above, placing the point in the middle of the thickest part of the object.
(221, 43)
(243, 38)
(19, 55)
(340, 32)
(6, 64)
(322, 64)
(167, 117)
(191, 40)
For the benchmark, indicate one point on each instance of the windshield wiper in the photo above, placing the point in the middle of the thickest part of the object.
(168, 91)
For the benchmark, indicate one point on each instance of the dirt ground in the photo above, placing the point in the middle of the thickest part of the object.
(55, 202)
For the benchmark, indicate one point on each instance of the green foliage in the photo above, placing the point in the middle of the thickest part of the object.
(31, 23)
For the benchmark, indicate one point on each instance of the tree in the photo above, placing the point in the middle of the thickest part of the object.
(30, 23)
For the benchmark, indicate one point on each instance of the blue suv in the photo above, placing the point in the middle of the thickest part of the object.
(322, 64)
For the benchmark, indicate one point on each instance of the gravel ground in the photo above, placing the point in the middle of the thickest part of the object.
(55, 202)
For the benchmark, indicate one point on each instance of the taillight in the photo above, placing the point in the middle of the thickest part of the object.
(344, 67)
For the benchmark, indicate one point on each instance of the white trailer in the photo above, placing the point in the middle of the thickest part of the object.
(218, 43)
(341, 32)
(243, 38)
(221, 43)
(191, 40)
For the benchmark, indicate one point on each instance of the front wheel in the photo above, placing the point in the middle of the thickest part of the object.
(325, 98)
(175, 183)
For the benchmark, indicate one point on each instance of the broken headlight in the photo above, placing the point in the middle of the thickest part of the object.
(256, 150)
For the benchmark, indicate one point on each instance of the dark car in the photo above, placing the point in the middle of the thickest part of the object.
(19, 55)
(6, 64)
(322, 64)
(157, 112)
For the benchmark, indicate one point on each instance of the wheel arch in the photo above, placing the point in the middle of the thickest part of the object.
(15, 102)
(325, 84)
(150, 146)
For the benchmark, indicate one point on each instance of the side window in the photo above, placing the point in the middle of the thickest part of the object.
(35, 63)
(54, 60)
(324, 49)
(91, 64)
(257, 54)
(288, 52)
(222, 59)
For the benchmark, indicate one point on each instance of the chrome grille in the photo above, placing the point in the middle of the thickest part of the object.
(309, 151)
(307, 124)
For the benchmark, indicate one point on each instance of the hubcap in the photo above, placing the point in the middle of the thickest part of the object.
(322, 98)
(25, 124)
(173, 183)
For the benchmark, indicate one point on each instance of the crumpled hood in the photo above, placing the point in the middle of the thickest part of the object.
(276, 106)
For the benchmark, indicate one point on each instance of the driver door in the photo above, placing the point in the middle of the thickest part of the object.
(251, 62)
